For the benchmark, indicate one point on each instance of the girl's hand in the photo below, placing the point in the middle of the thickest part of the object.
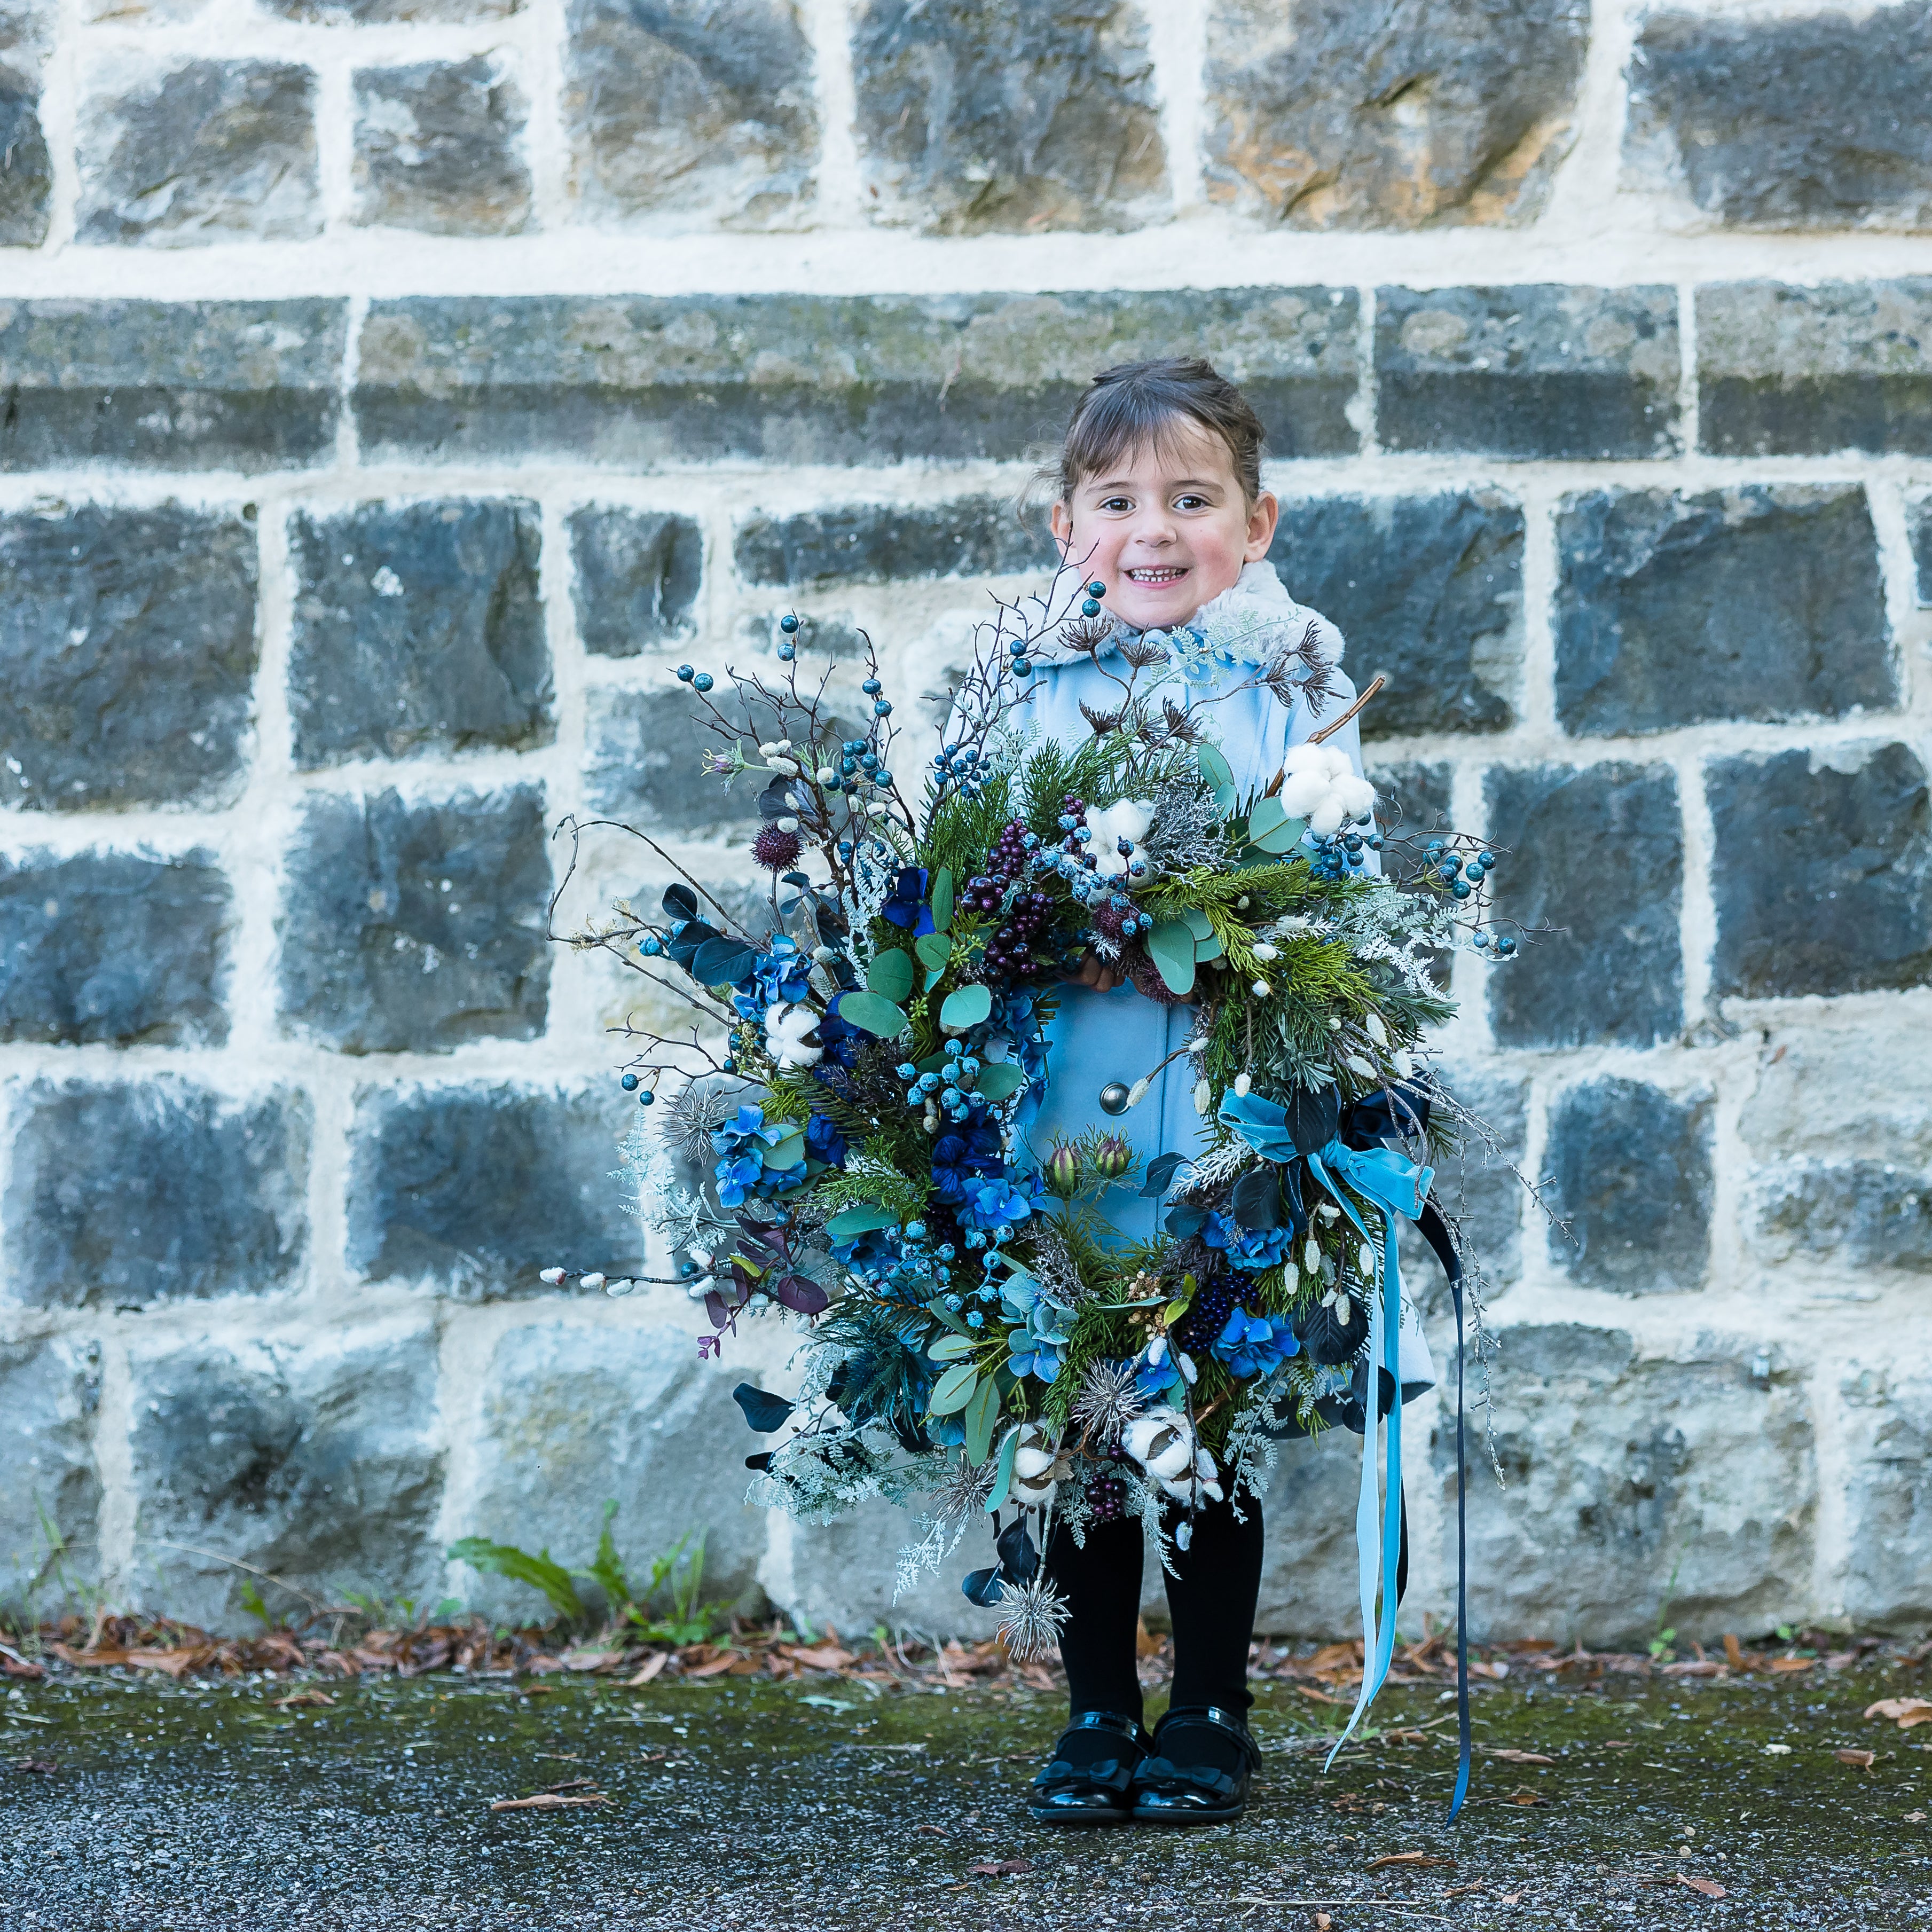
(1096, 973)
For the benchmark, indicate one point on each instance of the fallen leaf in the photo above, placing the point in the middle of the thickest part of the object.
(1322, 1921)
(1405, 1859)
(1734, 1654)
(1522, 1795)
(1906, 1712)
(654, 1664)
(1619, 1744)
(1521, 1757)
(1005, 1868)
(825, 1658)
(1322, 1696)
(1793, 1662)
(302, 1699)
(572, 1784)
(1862, 1759)
(1915, 1817)
(1407, 1737)
(45, 1767)
(1509, 1898)
(1777, 1750)
(929, 1830)
(547, 1800)
(716, 1667)
(1708, 1887)
(593, 1659)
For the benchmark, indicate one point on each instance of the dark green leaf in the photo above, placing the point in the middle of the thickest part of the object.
(890, 977)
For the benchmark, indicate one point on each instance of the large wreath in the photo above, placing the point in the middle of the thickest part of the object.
(841, 1136)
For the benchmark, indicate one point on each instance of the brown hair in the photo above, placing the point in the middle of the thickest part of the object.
(1142, 404)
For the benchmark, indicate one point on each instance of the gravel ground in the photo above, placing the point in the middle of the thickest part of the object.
(132, 1805)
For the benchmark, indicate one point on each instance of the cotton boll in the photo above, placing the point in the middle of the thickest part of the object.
(1305, 758)
(1326, 819)
(1036, 1466)
(1337, 762)
(1109, 864)
(1302, 792)
(1358, 795)
(787, 1031)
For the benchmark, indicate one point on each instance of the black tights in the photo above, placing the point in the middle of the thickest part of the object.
(1211, 1599)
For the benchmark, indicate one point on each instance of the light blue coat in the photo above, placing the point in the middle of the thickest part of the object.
(1097, 1038)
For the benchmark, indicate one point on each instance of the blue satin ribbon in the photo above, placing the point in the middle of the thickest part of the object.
(1396, 1186)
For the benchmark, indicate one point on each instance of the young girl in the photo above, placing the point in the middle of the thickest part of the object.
(1160, 500)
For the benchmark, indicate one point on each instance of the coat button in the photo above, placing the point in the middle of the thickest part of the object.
(1114, 1097)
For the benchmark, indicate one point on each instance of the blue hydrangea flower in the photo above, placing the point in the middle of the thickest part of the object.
(996, 1202)
(1256, 1344)
(1250, 1250)
(906, 905)
(741, 1171)
(823, 1141)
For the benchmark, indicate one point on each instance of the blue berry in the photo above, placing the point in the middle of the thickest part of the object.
(787, 622)
(727, 1067)
(1090, 609)
(871, 687)
(786, 651)
(628, 1083)
(907, 1071)
(647, 1098)
(882, 707)
(685, 674)
(1096, 588)
(974, 1319)
(1022, 665)
(702, 682)
(651, 948)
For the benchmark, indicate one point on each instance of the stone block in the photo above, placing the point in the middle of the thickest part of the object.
(1347, 115)
(1428, 590)
(1309, 1586)
(1548, 370)
(643, 761)
(129, 1192)
(1631, 1169)
(128, 656)
(210, 151)
(1478, 1189)
(571, 1417)
(318, 1465)
(645, 382)
(474, 1189)
(1634, 1469)
(1752, 119)
(48, 1393)
(1782, 371)
(1593, 871)
(841, 1573)
(1413, 797)
(419, 627)
(691, 113)
(27, 178)
(1887, 1498)
(117, 947)
(248, 385)
(1010, 116)
(1852, 1215)
(439, 147)
(1920, 511)
(878, 543)
(1823, 872)
(1763, 601)
(416, 927)
(638, 573)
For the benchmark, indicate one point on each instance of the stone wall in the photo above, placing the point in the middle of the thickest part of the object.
(394, 389)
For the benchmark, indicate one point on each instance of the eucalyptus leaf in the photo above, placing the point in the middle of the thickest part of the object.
(1214, 768)
(890, 975)
(982, 1412)
(788, 1152)
(1271, 830)
(1001, 1080)
(856, 1221)
(965, 1007)
(954, 1390)
(934, 949)
(952, 1348)
(941, 901)
(870, 1014)
(1171, 946)
(1003, 1477)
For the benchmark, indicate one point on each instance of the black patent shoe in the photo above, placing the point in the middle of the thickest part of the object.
(1090, 1779)
(1180, 1784)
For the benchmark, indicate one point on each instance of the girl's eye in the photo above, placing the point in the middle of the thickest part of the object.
(1191, 501)
(1117, 503)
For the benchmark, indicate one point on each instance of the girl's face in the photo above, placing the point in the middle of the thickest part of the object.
(1165, 528)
